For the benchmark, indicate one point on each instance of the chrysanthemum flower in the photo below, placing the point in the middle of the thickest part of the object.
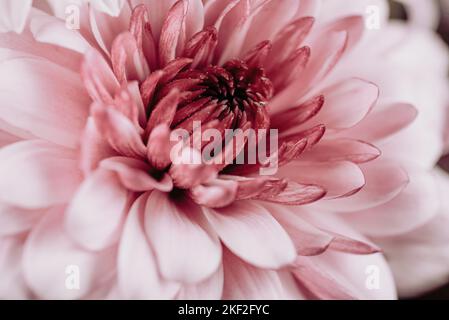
(88, 182)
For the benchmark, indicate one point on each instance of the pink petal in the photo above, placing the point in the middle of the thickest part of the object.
(383, 123)
(157, 12)
(159, 147)
(342, 239)
(320, 284)
(257, 56)
(119, 131)
(148, 87)
(249, 231)
(128, 61)
(105, 28)
(186, 248)
(13, 15)
(269, 21)
(141, 29)
(50, 29)
(37, 174)
(342, 150)
(289, 70)
(165, 110)
(7, 138)
(339, 179)
(384, 180)
(94, 148)
(24, 45)
(99, 79)
(215, 194)
(171, 32)
(288, 40)
(346, 103)
(417, 204)
(308, 239)
(419, 258)
(326, 55)
(209, 289)
(111, 7)
(96, 213)
(233, 31)
(185, 171)
(201, 47)
(135, 174)
(356, 272)
(195, 18)
(52, 110)
(48, 255)
(354, 25)
(140, 279)
(15, 220)
(246, 282)
(12, 282)
(342, 275)
(295, 194)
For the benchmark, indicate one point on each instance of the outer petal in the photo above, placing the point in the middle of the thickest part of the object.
(416, 205)
(138, 274)
(419, 258)
(346, 104)
(245, 282)
(356, 273)
(384, 180)
(52, 110)
(13, 15)
(249, 230)
(49, 256)
(209, 289)
(186, 248)
(37, 174)
(96, 214)
(15, 220)
(338, 178)
(12, 282)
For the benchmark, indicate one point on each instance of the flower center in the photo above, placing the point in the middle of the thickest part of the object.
(234, 92)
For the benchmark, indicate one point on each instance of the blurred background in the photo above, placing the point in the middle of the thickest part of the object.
(398, 12)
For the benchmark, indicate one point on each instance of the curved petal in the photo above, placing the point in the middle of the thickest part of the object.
(308, 239)
(49, 29)
(52, 110)
(96, 213)
(186, 248)
(384, 180)
(419, 258)
(246, 282)
(12, 282)
(37, 174)
(346, 104)
(138, 274)
(15, 220)
(342, 150)
(383, 123)
(365, 276)
(338, 178)
(417, 204)
(249, 231)
(50, 258)
(122, 135)
(13, 15)
(209, 289)
(135, 174)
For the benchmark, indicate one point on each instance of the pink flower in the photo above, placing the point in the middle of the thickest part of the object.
(88, 183)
